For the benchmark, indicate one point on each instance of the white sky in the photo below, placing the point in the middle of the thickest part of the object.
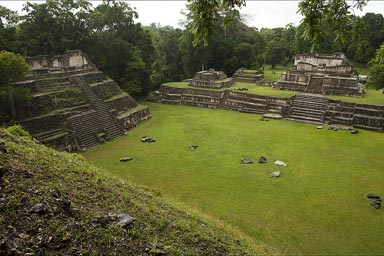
(267, 14)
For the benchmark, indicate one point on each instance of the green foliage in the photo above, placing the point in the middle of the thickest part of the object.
(54, 26)
(204, 14)
(12, 68)
(320, 16)
(18, 131)
(167, 64)
(376, 69)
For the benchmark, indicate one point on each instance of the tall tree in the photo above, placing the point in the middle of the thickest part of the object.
(321, 15)
(376, 69)
(54, 26)
(8, 34)
(12, 68)
(119, 47)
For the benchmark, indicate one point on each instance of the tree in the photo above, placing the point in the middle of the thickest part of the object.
(54, 26)
(319, 15)
(376, 69)
(204, 14)
(12, 68)
(8, 34)
(119, 47)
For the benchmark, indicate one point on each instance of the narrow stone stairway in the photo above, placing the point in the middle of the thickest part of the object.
(308, 108)
(95, 126)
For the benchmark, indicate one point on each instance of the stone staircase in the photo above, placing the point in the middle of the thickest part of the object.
(308, 108)
(95, 126)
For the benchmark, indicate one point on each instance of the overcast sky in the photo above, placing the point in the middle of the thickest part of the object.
(260, 14)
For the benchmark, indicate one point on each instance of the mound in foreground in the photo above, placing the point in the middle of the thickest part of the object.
(54, 203)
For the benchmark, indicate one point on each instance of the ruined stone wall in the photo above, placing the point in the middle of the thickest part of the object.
(325, 63)
(131, 120)
(74, 59)
(321, 60)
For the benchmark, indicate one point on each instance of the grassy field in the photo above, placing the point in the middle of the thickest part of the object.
(318, 205)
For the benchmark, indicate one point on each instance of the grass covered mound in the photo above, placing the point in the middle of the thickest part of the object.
(54, 203)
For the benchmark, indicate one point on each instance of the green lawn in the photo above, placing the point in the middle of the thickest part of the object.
(274, 74)
(375, 97)
(318, 206)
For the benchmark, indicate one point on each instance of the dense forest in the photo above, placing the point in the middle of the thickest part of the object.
(140, 58)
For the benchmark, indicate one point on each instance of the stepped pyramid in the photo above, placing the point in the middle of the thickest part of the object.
(74, 105)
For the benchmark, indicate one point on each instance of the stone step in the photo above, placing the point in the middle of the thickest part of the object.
(307, 102)
(369, 128)
(306, 118)
(303, 121)
(251, 110)
(308, 110)
(308, 114)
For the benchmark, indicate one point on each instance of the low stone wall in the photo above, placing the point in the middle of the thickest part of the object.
(226, 99)
(130, 120)
(74, 59)
(253, 103)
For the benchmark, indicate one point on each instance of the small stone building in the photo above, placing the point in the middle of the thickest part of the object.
(211, 79)
(248, 76)
(321, 74)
